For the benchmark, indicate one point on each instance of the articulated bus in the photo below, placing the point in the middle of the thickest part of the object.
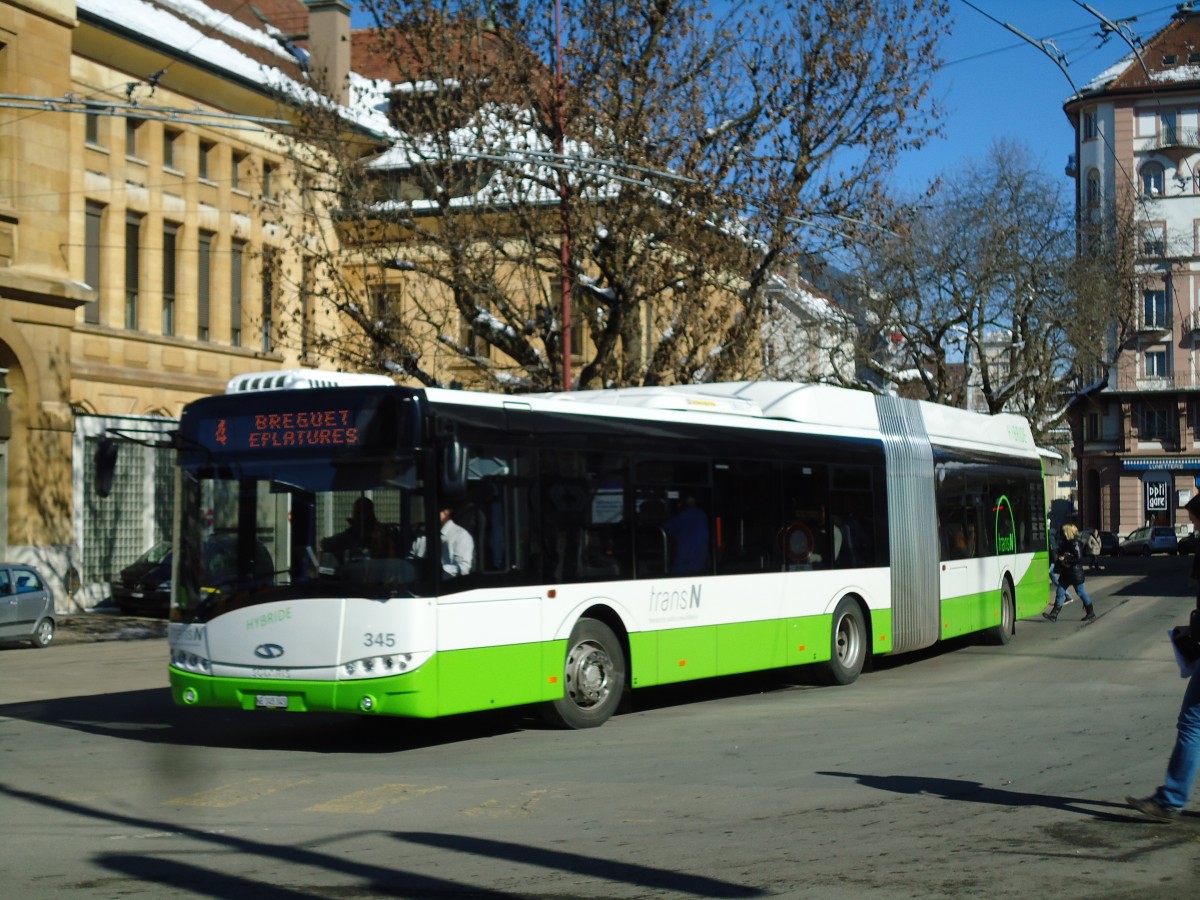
(381, 550)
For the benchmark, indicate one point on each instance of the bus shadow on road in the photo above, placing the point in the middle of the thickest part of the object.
(149, 716)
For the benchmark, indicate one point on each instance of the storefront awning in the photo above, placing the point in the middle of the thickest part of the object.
(1161, 462)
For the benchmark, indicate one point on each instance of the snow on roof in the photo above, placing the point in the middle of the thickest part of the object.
(197, 30)
(1108, 76)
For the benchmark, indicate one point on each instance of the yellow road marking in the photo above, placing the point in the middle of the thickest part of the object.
(372, 800)
(234, 794)
(492, 808)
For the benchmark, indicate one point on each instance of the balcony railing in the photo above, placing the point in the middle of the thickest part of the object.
(1153, 383)
(1177, 138)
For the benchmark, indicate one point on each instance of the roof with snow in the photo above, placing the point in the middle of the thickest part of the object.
(1170, 59)
(264, 51)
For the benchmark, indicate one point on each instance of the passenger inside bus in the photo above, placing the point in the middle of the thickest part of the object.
(458, 547)
(688, 533)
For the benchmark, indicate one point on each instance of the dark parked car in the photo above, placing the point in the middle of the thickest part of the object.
(26, 605)
(1187, 543)
(144, 586)
(1150, 539)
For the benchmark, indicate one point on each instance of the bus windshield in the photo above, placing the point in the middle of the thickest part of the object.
(271, 530)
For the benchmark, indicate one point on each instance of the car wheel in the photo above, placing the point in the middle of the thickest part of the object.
(43, 633)
(1146, 550)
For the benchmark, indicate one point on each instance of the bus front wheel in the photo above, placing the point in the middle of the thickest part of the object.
(593, 678)
(848, 653)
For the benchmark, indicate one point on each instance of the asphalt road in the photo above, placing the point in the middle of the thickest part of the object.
(968, 771)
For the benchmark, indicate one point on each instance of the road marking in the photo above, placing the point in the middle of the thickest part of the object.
(235, 794)
(372, 800)
(493, 810)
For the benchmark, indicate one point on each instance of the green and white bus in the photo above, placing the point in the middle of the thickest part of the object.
(621, 539)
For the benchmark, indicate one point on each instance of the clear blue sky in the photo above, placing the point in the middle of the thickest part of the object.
(995, 84)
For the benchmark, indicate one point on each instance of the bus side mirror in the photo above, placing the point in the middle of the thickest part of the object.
(106, 465)
(454, 469)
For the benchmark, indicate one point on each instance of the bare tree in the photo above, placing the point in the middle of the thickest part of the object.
(694, 150)
(981, 292)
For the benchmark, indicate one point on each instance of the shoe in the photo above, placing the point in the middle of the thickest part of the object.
(1089, 614)
(1068, 601)
(1052, 615)
(1152, 809)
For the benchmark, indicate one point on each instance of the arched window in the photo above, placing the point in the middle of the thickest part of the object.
(1153, 179)
(1092, 196)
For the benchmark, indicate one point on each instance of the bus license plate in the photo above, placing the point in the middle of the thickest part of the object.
(270, 701)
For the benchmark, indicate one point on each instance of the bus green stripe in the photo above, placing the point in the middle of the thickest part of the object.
(471, 680)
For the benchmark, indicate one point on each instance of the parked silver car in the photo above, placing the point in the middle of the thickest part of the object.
(26, 605)
(1151, 539)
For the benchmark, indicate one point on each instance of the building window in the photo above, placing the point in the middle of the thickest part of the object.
(1154, 309)
(207, 160)
(133, 129)
(270, 287)
(1168, 128)
(237, 256)
(92, 133)
(133, 264)
(170, 242)
(1156, 363)
(1155, 424)
(92, 233)
(237, 172)
(1152, 179)
(268, 181)
(1154, 242)
(1091, 130)
(470, 342)
(1093, 188)
(171, 139)
(1093, 427)
(306, 312)
(203, 284)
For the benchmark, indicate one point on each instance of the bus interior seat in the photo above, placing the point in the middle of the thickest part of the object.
(595, 552)
(651, 550)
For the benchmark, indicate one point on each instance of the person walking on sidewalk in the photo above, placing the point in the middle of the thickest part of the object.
(1172, 795)
(1069, 566)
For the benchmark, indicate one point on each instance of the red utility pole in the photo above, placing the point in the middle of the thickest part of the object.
(564, 198)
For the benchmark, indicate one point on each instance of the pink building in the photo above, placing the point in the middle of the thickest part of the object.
(1137, 136)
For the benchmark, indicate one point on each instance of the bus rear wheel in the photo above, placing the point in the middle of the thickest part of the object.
(593, 678)
(848, 653)
(1001, 634)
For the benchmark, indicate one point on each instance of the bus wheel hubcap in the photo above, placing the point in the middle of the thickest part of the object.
(587, 674)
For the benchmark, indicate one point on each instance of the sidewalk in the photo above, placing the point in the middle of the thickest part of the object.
(100, 625)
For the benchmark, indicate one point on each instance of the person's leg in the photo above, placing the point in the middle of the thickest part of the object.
(1088, 612)
(1059, 594)
(1185, 757)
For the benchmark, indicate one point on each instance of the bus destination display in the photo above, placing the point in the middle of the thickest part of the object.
(283, 430)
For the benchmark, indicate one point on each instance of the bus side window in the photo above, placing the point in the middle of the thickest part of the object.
(804, 537)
